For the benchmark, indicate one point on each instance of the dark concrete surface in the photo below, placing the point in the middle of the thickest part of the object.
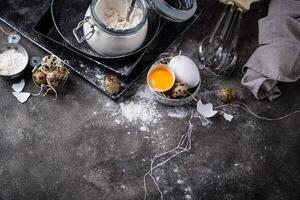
(74, 148)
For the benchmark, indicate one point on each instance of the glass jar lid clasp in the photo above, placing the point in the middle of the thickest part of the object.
(86, 36)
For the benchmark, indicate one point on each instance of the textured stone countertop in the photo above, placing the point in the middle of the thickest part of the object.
(82, 146)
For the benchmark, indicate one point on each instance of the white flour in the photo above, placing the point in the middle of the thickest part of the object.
(11, 62)
(179, 112)
(142, 109)
(144, 129)
(113, 14)
(138, 112)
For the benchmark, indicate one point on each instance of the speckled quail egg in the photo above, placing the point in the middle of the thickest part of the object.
(39, 77)
(53, 78)
(180, 90)
(112, 84)
(52, 60)
(227, 95)
(63, 74)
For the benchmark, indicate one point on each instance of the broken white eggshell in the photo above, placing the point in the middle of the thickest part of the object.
(22, 96)
(18, 87)
(186, 71)
(228, 117)
(206, 110)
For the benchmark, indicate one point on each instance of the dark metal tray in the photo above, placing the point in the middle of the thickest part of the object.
(23, 16)
(121, 66)
(74, 13)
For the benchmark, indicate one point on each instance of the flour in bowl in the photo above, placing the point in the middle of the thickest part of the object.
(113, 14)
(11, 62)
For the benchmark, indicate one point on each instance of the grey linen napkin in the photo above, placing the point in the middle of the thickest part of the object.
(278, 57)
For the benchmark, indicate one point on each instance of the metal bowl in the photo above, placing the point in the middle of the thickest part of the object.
(176, 102)
(19, 49)
(164, 59)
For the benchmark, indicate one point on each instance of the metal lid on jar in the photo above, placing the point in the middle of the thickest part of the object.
(174, 10)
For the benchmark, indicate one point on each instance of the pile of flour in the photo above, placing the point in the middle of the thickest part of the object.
(142, 109)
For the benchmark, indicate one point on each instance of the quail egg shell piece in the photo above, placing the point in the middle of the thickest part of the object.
(186, 71)
(18, 87)
(206, 110)
(22, 96)
(228, 117)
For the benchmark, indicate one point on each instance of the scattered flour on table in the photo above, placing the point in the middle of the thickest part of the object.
(118, 121)
(144, 129)
(188, 189)
(100, 76)
(141, 109)
(179, 112)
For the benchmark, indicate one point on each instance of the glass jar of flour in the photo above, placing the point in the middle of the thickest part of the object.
(108, 31)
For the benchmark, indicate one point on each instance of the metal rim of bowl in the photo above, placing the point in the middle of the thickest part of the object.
(176, 102)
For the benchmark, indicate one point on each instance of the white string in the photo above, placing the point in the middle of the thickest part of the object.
(51, 89)
(185, 142)
(245, 107)
(48, 89)
(184, 145)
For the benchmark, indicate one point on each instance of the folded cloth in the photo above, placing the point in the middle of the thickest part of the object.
(278, 57)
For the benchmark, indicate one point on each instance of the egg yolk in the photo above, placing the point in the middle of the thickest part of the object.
(161, 79)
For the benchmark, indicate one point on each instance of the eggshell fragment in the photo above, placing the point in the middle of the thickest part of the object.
(228, 117)
(22, 96)
(186, 71)
(18, 87)
(206, 110)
